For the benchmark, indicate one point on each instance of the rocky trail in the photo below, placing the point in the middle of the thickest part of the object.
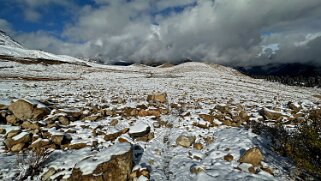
(186, 122)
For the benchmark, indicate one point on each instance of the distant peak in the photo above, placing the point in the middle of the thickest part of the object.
(7, 40)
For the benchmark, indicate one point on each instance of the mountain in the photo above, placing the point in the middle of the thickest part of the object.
(6, 40)
(10, 49)
(288, 73)
(288, 69)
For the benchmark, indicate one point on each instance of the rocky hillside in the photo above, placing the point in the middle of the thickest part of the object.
(68, 121)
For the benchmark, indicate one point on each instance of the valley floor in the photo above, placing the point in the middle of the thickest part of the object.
(107, 96)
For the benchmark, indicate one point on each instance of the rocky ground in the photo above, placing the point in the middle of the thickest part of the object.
(187, 122)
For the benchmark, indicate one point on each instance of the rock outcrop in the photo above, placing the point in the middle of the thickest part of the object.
(113, 163)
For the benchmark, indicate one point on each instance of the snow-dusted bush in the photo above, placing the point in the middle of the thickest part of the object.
(30, 163)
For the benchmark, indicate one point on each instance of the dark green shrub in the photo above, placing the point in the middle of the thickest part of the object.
(302, 144)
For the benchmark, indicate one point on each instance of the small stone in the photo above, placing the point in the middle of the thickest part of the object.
(156, 125)
(252, 156)
(128, 111)
(143, 172)
(11, 119)
(228, 157)
(133, 175)
(63, 120)
(198, 146)
(268, 170)
(208, 139)
(46, 176)
(185, 140)
(146, 138)
(22, 137)
(114, 122)
(223, 108)
(29, 125)
(142, 178)
(13, 133)
(39, 143)
(57, 139)
(294, 106)
(122, 140)
(196, 169)
(75, 146)
(114, 135)
(252, 170)
(270, 114)
(18, 147)
(157, 97)
(206, 117)
(139, 130)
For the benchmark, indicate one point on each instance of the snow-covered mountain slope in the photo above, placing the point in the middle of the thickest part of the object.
(6, 40)
(9, 47)
(184, 134)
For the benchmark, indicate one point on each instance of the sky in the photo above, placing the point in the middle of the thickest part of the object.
(229, 32)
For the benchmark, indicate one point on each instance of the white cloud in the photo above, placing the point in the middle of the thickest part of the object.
(220, 31)
(5, 26)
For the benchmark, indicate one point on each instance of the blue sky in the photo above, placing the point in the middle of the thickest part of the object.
(53, 17)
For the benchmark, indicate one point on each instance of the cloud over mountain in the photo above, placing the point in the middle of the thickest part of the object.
(219, 31)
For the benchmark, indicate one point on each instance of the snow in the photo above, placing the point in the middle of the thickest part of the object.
(25, 53)
(5, 102)
(10, 128)
(19, 136)
(142, 178)
(8, 41)
(34, 103)
(138, 128)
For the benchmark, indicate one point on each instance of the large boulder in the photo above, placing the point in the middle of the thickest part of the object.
(16, 143)
(185, 140)
(252, 156)
(113, 163)
(26, 109)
